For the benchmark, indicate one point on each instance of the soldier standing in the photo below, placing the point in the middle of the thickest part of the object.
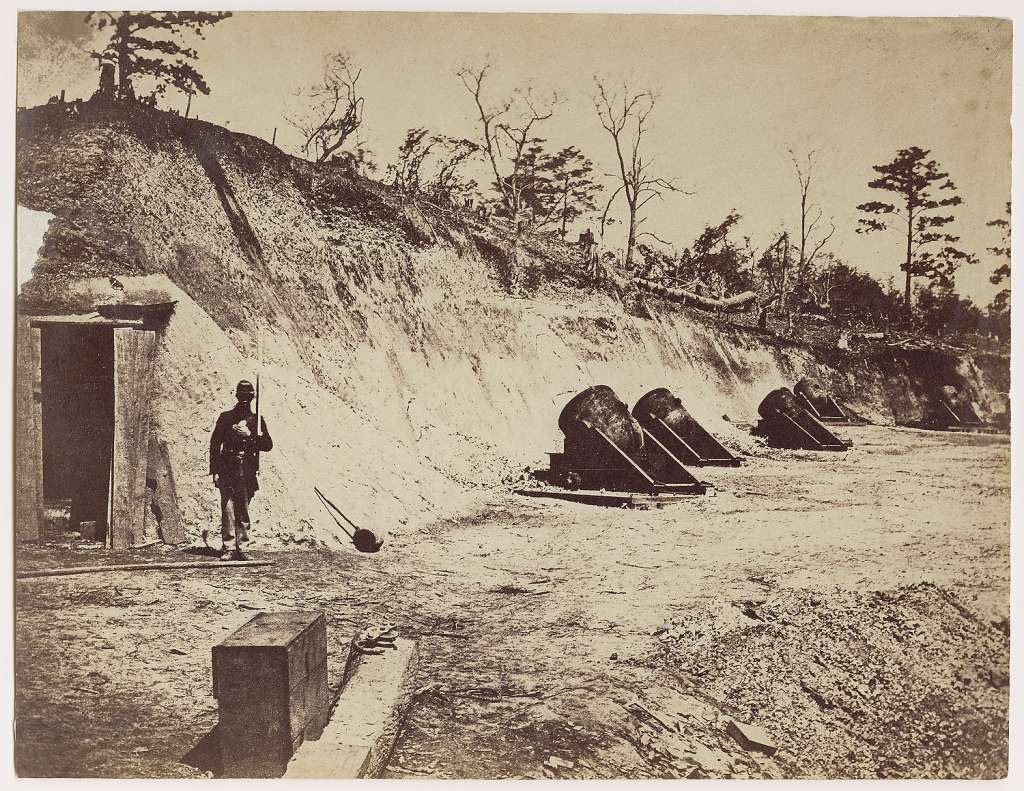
(234, 464)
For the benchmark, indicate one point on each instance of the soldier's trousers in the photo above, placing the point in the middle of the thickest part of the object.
(234, 515)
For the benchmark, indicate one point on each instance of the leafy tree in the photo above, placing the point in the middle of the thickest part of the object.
(944, 312)
(531, 183)
(448, 185)
(143, 44)
(410, 175)
(714, 262)
(331, 111)
(999, 315)
(556, 189)
(571, 186)
(924, 193)
(407, 173)
(849, 296)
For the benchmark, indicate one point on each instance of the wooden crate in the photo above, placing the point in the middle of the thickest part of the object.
(270, 681)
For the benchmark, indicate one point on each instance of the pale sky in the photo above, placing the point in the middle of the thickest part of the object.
(734, 93)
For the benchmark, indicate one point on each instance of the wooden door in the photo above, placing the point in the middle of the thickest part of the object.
(28, 434)
(134, 352)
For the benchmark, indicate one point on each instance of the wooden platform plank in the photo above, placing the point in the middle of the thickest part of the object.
(361, 734)
(612, 499)
(162, 516)
(28, 434)
(134, 351)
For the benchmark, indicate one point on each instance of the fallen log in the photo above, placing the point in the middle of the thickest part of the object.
(736, 303)
(190, 564)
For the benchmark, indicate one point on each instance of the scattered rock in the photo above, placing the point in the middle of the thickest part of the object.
(997, 678)
(817, 696)
(753, 609)
(554, 764)
(751, 737)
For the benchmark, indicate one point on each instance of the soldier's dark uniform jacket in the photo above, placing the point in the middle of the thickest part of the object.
(232, 455)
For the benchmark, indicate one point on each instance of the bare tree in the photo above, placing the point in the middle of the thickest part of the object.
(506, 135)
(772, 267)
(812, 239)
(332, 110)
(625, 117)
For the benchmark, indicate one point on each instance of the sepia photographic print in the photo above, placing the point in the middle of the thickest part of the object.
(452, 395)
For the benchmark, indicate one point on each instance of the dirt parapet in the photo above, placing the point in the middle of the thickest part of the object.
(400, 376)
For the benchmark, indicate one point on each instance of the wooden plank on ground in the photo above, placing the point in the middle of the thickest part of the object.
(610, 499)
(162, 517)
(134, 351)
(184, 564)
(28, 435)
(361, 734)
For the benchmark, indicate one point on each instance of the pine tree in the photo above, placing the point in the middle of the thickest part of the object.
(1003, 248)
(571, 185)
(142, 44)
(924, 193)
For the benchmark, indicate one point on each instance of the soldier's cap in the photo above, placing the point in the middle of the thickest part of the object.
(245, 388)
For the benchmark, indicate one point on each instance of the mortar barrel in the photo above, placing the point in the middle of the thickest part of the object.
(783, 401)
(601, 408)
(664, 405)
(812, 390)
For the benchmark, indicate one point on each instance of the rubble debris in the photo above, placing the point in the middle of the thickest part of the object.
(374, 640)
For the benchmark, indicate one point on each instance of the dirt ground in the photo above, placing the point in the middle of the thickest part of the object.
(853, 605)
